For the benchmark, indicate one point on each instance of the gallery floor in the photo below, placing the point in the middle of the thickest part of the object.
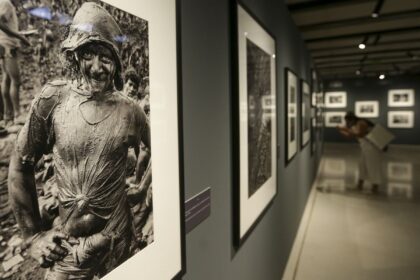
(350, 234)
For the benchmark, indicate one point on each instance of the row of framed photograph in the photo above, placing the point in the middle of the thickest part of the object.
(396, 119)
(396, 98)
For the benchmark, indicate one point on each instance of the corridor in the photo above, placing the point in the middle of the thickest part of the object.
(351, 234)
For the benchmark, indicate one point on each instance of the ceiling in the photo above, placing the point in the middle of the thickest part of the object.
(333, 30)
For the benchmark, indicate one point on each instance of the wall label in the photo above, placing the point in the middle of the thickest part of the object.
(197, 209)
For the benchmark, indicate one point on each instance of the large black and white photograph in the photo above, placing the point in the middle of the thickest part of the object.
(401, 98)
(400, 119)
(292, 84)
(78, 121)
(334, 119)
(255, 103)
(336, 99)
(259, 116)
(305, 116)
(367, 109)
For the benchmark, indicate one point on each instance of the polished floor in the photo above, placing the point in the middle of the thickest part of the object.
(360, 235)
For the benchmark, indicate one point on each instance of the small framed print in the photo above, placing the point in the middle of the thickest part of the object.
(334, 119)
(336, 99)
(254, 114)
(367, 109)
(291, 111)
(401, 119)
(402, 171)
(401, 98)
(305, 113)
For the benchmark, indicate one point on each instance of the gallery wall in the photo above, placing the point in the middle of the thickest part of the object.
(206, 93)
(366, 89)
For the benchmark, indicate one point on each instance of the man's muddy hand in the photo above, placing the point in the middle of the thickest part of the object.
(46, 247)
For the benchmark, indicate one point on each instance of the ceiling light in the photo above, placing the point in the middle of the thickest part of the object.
(382, 76)
(358, 72)
(375, 15)
(362, 46)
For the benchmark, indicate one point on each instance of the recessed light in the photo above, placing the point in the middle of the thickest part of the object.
(382, 76)
(358, 72)
(362, 46)
(375, 15)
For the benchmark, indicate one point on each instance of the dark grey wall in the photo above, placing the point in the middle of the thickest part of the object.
(375, 89)
(207, 144)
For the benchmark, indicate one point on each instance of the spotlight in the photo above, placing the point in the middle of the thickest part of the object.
(362, 46)
(382, 76)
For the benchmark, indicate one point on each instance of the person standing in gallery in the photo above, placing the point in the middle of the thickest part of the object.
(370, 160)
(88, 125)
(10, 41)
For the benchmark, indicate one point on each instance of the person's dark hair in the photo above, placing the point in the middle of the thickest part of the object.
(132, 75)
(350, 118)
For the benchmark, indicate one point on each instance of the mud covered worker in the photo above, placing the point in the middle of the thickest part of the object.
(88, 125)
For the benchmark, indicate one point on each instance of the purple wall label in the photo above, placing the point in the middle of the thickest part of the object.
(197, 209)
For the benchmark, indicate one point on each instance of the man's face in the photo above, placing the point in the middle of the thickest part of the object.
(97, 66)
(131, 88)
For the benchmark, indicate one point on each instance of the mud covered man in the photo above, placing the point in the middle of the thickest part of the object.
(88, 126)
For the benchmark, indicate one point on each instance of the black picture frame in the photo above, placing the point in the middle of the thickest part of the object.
(241, 230)
(290, 154)
(305, 110)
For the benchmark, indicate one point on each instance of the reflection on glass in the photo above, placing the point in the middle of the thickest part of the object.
(400, 190)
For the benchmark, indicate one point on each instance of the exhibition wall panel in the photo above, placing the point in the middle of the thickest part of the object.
(373, 89)
(207, 125)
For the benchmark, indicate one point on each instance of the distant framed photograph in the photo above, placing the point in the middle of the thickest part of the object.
(336, 99)
(334, 119)
(255, 158)
(291, 84)
(401, 119)
(367, 109)
(314, 87)
(402, 171)
(305, 113)
(401, 98)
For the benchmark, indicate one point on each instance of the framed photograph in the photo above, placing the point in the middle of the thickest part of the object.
(314, 87)
(334, 119)
(102, 124)
(254, 109)
(291, 84)
(305, 117)
(336, 99)
(367, 109)
(401, 119)
(402, 171)
(401, 98)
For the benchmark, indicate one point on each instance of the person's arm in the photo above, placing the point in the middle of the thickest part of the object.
(8, 31)
(31, 143)
(345, 131)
